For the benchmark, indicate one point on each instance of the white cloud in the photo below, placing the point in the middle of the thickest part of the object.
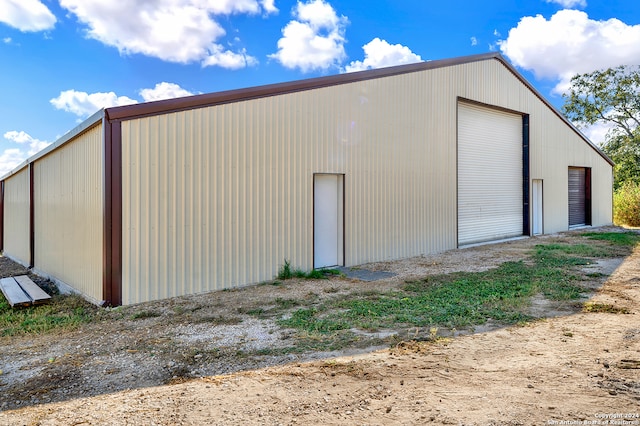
(84, 104)
(180, 31)
(568, 4)
(378, 54)
(597, 132)
(164, 90)
(7, 40)
(570, 43)
(26, 15)
(11, 157)
(314, 39)
(35, 145)
(269, 6)
(474, 41)
(228, 59)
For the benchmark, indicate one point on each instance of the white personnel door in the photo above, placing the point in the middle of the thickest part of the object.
(536, 206)
(328, 220)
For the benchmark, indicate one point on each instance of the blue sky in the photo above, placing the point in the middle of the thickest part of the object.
(62, 60)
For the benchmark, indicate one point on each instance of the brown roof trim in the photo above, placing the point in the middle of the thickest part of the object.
(209, 99)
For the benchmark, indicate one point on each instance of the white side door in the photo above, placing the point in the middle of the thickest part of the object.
(536, 207)
(328, 220)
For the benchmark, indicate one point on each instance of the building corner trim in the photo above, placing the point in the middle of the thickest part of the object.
(2, 216)
(32, 217)
(112, 224)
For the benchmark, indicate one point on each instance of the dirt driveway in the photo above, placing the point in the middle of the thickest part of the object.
(208, 360)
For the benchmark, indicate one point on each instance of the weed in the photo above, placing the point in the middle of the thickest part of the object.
(286, 303)
(603, 308)
(315, 274)
(64, 312)
(596, 275)
(626, 204)
(219, 320)
(145, 314)
(179, 310)
(274, 283)
(286, 272)
(258, 312)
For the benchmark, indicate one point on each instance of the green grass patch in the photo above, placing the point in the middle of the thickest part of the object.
(452, 300)
(63, 312)
(456, 300)
(628, 238)
(308, 319)
(568, 254)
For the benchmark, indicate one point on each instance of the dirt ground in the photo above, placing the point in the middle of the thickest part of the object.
(206, 360)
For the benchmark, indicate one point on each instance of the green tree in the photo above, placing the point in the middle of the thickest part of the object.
(611, 97)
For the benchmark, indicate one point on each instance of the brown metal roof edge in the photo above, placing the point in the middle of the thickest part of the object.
(209, 99)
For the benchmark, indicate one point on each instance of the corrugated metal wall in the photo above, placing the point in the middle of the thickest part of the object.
(554, 146)
(218, 197)
(16, 216)
(68, 204)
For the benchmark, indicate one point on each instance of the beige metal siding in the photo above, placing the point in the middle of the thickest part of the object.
(554, 146)
(16, 217)
(218, 197)
(68, 204)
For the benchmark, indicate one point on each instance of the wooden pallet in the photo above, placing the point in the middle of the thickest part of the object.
(21, 291)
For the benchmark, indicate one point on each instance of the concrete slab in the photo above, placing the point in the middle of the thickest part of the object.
(364, 274)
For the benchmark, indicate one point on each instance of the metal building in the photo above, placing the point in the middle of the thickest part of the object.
(215, 191)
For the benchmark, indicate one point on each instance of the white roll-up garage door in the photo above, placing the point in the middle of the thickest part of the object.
(490, 174)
